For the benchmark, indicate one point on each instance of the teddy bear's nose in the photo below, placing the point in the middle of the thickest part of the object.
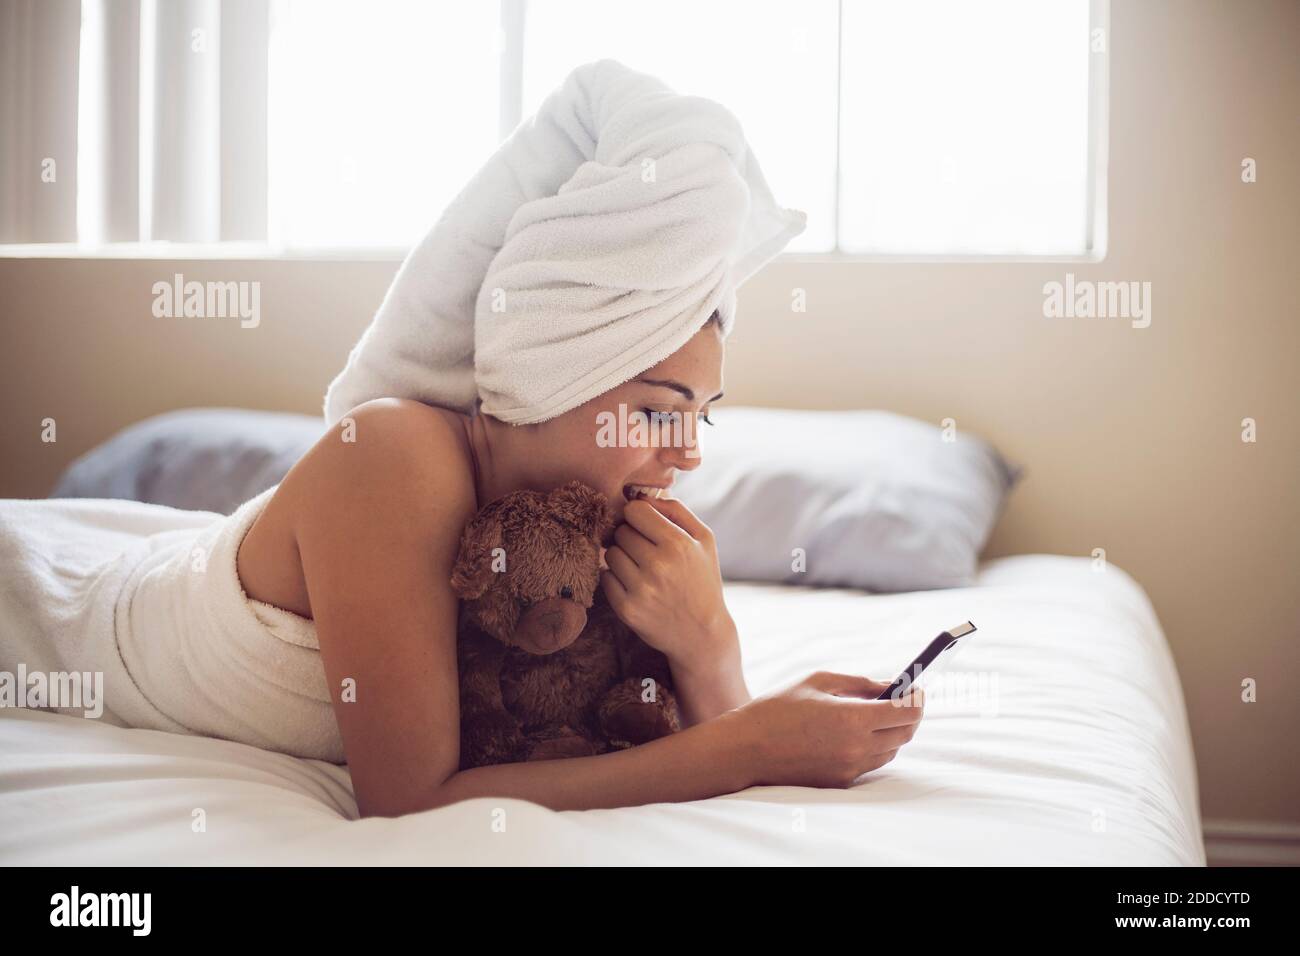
(566, 592)
(550, 625)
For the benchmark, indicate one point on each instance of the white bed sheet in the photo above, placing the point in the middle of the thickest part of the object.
(1078, 753)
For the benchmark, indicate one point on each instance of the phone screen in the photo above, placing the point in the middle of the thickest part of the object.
(936, 654)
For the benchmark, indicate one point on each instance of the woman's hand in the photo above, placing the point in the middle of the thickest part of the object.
(663, 582)
(825, 730)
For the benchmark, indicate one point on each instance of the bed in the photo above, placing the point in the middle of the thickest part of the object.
(1059, 738)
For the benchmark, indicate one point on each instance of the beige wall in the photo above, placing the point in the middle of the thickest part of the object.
(1131, 437)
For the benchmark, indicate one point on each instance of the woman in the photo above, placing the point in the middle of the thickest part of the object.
(361, 535)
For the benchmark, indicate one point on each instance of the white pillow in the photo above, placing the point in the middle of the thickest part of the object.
(871, 499)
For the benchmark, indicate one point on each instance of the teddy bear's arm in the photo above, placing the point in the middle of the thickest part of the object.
(641, 706)
(560, 743)
(634, 712)
(489, 733)
(638, 659)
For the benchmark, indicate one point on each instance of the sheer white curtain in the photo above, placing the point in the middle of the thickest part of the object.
(157, 106)
(186, 118)
(246, 26)
(206, 100)
(109, 133)
(39, 44)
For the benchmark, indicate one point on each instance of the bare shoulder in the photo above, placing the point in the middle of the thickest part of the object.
(388, 460)
(394, 432)
(392, 467)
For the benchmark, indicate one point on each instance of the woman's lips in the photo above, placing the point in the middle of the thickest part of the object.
(632, 491)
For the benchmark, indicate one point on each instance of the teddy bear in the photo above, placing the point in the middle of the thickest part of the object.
(547, 670)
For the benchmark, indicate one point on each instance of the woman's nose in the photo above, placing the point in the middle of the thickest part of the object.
(687, 457)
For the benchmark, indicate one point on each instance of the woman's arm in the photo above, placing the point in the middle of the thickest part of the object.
(377, 522)
(825, 730)
(715, 683)
(663, 580)
(699, 762)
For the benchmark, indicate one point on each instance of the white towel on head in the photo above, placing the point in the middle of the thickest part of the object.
(592, 245)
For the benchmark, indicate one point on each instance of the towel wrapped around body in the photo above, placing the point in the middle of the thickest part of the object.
(149, 597)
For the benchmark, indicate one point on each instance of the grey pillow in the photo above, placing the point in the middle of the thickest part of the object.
(875, 500)
(199, 459)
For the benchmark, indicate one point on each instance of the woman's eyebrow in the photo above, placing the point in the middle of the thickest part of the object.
(676, 386)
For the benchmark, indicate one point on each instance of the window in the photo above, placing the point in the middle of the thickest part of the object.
(771, 63)
(965, 128)
(904, 128)
(380, 113)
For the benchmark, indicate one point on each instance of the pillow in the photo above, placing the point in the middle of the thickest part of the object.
(199, 459)
(876, 501)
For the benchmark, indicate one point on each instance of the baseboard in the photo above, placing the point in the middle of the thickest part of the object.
(1251, 843)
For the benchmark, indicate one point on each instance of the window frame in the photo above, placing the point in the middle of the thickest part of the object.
(512, 19)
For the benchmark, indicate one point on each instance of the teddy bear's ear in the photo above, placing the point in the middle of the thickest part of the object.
(583, 507)
(472, 573)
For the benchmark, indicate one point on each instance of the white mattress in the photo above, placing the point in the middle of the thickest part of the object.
(1082, 757)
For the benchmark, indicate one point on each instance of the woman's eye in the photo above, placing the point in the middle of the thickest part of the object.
(659, 418)
(669, 418)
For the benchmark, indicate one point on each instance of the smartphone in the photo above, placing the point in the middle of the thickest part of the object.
(936, 654)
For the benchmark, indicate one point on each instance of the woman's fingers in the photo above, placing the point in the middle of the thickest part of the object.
(623, 566)
(848, 685)
(663, 518)
(907, 710)
(891, 738)
(636, 545)
(676, 512)
(882, 759)
(615, 593)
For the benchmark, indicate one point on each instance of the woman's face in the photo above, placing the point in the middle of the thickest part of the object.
(606, 447)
